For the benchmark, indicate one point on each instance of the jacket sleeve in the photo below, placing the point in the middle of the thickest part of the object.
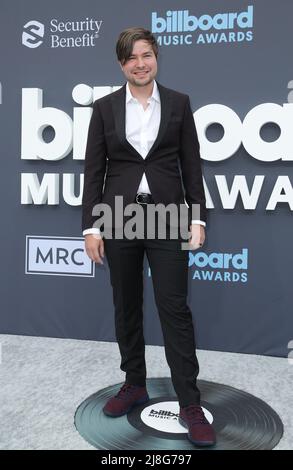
(94, 168)
(191, 166)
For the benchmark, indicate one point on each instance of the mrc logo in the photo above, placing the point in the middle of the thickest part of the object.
(59, 256)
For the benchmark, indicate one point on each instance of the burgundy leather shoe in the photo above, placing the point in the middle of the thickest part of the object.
(200, 431)
(128, 397)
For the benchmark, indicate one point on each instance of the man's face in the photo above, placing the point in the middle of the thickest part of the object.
(141, 67)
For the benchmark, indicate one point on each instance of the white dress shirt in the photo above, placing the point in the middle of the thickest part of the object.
(141, 129)
(142, 126)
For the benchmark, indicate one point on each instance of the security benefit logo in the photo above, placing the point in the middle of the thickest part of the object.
(219, 267)
(33, 33)
(182, 27)
(59, 256)
(62, 33)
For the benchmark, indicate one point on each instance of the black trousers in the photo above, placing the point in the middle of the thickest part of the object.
(169, 270)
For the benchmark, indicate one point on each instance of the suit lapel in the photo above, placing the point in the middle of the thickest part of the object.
(118, 105)
(166, 107)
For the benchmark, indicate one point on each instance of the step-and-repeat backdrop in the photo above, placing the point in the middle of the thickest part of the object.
(234, 60)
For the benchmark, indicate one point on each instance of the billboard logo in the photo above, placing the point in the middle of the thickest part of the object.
(34, 30)
(177, 27)
(163, 416)
(179, 21)
(222, 267)
(59, 256)
(218, 267)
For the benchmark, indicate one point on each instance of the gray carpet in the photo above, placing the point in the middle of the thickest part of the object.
(43, 380)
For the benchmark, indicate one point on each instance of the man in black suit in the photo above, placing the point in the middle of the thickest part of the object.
(142, 145)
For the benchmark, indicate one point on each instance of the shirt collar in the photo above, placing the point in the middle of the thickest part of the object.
(155, 94)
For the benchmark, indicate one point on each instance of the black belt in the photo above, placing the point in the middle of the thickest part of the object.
(144, 198)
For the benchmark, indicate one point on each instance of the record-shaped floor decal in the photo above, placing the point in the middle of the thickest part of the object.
(241, 420)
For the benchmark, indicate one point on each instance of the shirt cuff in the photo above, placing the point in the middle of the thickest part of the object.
(91, 231)
(200, 222)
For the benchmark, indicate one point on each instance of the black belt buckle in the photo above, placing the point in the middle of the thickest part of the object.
(143, 198)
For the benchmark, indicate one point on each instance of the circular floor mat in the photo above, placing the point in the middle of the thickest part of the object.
(241, 420)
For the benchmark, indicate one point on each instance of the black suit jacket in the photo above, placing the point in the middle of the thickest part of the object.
(114, 167)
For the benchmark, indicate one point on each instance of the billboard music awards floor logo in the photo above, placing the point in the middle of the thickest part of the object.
(62, 34)
(163, 416)
(180, 27)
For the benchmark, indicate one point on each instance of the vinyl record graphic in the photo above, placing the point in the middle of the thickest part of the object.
(241, 421)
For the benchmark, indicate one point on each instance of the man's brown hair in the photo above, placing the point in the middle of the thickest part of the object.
(128, 37)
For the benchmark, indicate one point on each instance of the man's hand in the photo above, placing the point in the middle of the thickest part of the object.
(197, 236)
(94, 246)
